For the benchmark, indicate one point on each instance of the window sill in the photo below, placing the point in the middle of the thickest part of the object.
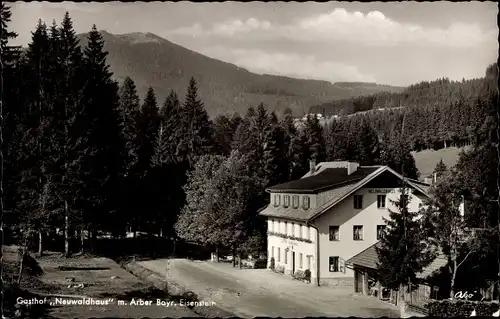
(358, 239)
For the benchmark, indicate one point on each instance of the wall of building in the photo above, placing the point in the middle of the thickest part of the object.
(287, 246)
(345, 216)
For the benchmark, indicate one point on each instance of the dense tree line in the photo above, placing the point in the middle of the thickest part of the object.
(87, 155)
(437, 114)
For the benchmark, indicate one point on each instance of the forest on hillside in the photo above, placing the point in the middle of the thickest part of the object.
(87, 155)
(436, 114)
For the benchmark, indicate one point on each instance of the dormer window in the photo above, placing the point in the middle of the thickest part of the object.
(286, 201)
(276, 200)
(306, 202)
(295, 201)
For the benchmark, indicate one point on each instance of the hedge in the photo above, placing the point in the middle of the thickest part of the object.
(460, 308)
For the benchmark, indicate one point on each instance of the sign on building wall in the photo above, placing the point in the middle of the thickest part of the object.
(289, 242)
(381, 191)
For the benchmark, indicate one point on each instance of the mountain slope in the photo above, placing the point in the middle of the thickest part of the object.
(225, 88)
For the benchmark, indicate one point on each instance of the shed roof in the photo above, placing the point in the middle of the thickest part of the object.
(368, 258)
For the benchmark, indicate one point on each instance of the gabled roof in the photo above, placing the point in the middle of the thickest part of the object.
(326, 179)
(339, 191)
(365, 181)
(368, 258)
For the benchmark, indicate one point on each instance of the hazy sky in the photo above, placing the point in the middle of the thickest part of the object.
(389, 43)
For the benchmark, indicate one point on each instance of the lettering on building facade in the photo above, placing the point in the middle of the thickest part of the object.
(381, 191)
(289, 242)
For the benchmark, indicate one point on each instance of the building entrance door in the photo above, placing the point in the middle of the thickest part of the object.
(293, 262)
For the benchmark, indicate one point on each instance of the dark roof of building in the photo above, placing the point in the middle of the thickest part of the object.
(368, 258)
(304, 214)
(325, 179)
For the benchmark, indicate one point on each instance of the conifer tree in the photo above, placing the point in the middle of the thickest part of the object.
(196, 131)
(100, 122)
(290, 133)
(368, 151)
(12, 109)
(223, 135)
(440, 168)
(396, 154)
(70, 81)
(275, 156)
(130, 111)
(315, 139)
(168, 175)
(149, 124)
(35, 185)
(402, 252)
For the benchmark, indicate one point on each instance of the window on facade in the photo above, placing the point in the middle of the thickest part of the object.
(334, 264)
(300, 231)
(381, 201)
(357, 232)
(295, 201)
(358, 201)
(300, 260)
(308, 232)
(272, 251)
(286, 228)
(309, 262)
(293, 230)
(276, 200)
(272, 226)
(286, 257)
(286, 202)
(279, 254)
(380, 231)
(306, 202)
(334, 233)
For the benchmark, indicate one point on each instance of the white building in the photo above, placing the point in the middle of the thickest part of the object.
(331, 214)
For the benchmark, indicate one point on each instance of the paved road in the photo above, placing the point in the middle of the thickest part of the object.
(259, 292)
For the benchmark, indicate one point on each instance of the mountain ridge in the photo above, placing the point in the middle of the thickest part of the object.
(225, 88)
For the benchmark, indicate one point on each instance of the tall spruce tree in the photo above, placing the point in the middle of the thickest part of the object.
(103, 147)
(396, 154)
(12, 108)
(223, 135)
(69, 70)
(315, 139)
(35, 186)
(149, 124)
(130, 111)
(166, 141)
(368, 150)
(167, 174)
(275, 155)
(290, 133)
(402, 253)
(196, 131)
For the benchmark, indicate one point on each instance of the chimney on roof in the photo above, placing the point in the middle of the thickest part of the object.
(312, 166)
(435, 178)
(350, 166)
